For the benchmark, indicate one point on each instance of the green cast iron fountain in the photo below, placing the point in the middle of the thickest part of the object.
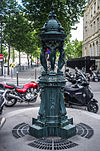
(52, 118)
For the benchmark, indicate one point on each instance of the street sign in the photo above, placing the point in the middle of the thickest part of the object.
(1, 57)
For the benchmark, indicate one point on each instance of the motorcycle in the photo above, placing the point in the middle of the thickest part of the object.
(26, 93)
(70, 76)
(79, 93)
(2, 102)
(93, 76)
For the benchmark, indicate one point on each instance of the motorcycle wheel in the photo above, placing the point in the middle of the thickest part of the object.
(93, 107)
(9, 101)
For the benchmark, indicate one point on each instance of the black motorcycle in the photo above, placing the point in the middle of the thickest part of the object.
(79, 93)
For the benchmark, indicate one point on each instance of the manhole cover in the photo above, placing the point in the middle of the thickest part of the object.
(82, 129)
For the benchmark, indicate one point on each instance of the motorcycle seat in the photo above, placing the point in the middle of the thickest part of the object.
(73, 89)
(10, 84)
(19, 87)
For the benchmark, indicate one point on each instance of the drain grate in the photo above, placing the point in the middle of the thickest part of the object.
(81, 129)
(49, 143)
(84, 130)
(52, 144)
(20, 130)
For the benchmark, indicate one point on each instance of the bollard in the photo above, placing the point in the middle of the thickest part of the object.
(17, 77)
(35, 73)
(11, 73)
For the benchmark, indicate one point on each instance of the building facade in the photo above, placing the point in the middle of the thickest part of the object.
(91, 29)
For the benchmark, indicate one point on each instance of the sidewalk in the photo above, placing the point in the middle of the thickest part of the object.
(25, 76)
(14, 135)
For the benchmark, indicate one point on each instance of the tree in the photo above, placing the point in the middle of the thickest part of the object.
(18, 31)
(15, 31)
(73, 49)
(68, 12)
(32, 48)
(5, 53)
(9, 8)
(22, 36)
(3, 5)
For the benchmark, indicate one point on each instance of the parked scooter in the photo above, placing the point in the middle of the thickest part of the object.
(80, 94)
(26, 93)
(2, 102)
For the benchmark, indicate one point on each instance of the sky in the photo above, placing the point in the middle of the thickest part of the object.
(76, 34)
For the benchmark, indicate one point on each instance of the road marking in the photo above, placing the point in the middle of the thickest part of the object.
(97, 92)
(13, 113)
(35, 110)
(94, 115)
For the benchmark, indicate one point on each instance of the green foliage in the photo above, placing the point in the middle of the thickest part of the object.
(19, 33)
(68, 12)
(22, 25)
(73, 49)
(13, 54)
(15, 31)
(32, 44)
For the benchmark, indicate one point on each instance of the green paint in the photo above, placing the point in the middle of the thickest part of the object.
(52, 118)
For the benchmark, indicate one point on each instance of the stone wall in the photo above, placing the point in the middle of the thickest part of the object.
(91, 29)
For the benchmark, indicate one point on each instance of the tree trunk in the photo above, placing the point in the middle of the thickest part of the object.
(31, 60)
(28, 59)
(13, 55)
(8, 58)
(19, 59)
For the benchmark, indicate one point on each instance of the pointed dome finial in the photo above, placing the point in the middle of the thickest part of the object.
(52, 6)
(52, 14)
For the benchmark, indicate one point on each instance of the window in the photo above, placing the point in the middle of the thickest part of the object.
(85, 51)
(94, 26)
(98, 23)
(96, 48)
(98, 4)
(94, 7)
(93, 50)
(91, 30)
(91, 10)
(90, 51)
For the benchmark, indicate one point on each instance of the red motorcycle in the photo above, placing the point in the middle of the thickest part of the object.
(27, 93)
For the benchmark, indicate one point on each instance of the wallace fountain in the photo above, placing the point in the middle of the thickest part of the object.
(52, 118)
